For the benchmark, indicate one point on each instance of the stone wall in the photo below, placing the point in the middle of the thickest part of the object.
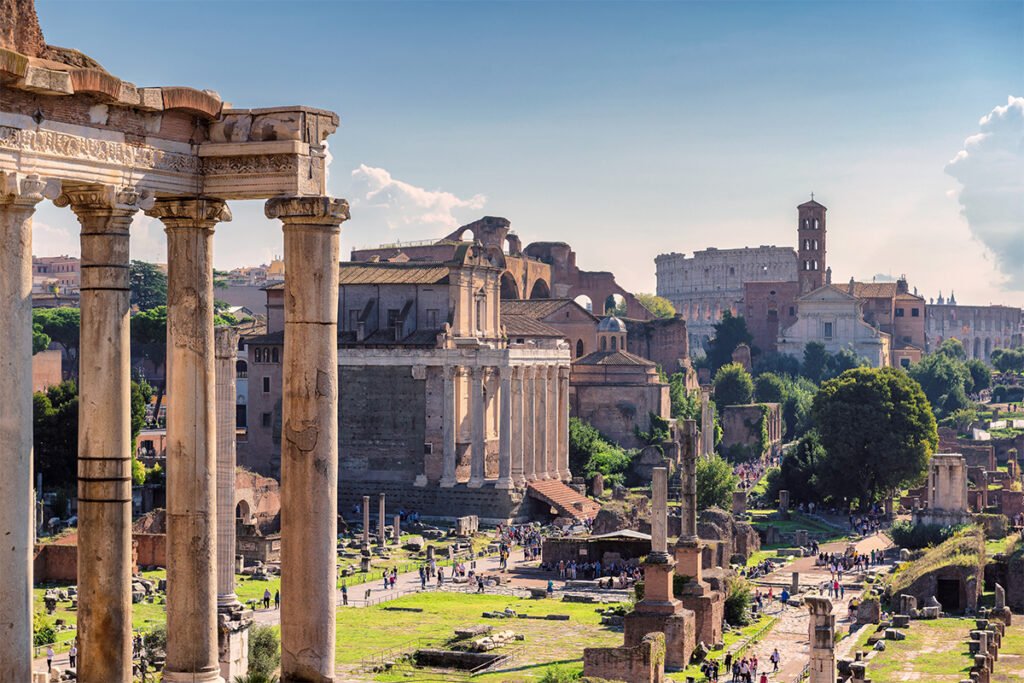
(644, 663)
(491, 505)
(742, 430)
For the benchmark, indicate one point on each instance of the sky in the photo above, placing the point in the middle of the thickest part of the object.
(627, 129)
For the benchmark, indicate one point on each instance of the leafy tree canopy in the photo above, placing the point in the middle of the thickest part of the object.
(798, 473)
(953, 348)
(658, 305)
(148, 285)
(769, 388)
(730, 332)
(61, 325)
(733, 385)
(591, 454)
(945, 381)
(981, 375)
(815, 363)
(776, 363)
(40, 340)
(878, 432)
(715, 482)
(1008, 360)
(685, 404)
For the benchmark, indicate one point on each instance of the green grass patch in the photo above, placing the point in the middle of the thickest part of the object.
(935, 651)
(964, 549)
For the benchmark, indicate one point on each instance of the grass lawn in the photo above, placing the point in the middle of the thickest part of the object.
(731, 640)
(364, 632)
(933, 652)
(760, 519)
(1010, 667)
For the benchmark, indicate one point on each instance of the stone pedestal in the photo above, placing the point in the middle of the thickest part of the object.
(784, 502)
(689, 557)
(821, 634)
(708, 607)
(678, 628)
(233, 624)
(739, 502)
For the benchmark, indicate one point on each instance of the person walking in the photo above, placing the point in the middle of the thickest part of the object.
(73, 655)
(344, 594)
(277, 599)
(775, 660)
(266, 598)
(49, 659)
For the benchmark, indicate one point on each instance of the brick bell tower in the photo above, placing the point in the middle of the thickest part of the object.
(810, 245)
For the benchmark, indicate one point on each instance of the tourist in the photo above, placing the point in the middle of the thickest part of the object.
(764, 677)
(551, 587)
(344, 594)
(479, 584)
(784, 598)
(73, 655)
(277, 599)
(266, 598)
(775, 660)
(49, 658)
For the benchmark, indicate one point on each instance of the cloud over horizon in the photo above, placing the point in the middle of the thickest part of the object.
(990, 168)
(378, 198)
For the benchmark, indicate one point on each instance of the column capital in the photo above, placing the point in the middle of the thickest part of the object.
(225, 342)
(104, 200)
(563, 372)
(326, 211)
(190, 212)
(26, 190)
(451, 371)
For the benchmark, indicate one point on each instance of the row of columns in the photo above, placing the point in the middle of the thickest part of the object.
(533, 423)
(309, 444)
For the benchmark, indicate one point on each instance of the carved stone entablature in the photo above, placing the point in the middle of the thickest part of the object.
(302, 124)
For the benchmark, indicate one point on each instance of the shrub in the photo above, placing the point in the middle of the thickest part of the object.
(44, 635)
(737, 602)
(264, 651)
(906, 534)
(561, 674)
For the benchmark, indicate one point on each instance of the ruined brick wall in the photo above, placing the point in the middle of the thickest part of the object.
(55, 562)
(150, 550)
(19, 28)
(663, 341)
(262, 496)
(742, 429)
(489, 504)
(644, 663)
(614, 409)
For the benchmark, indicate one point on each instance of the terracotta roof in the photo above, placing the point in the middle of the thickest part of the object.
(613, 358)
(538, 308)
(873, 290)
(393, 273)
(526, 326)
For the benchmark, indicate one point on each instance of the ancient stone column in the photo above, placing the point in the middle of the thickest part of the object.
(821, 633)
(396, 529)
(518, 478)
(707, 425)
(226, 345)
(505, 431)
(478, 447)
(448, 426)
(104, 433)
(659, 514)
(18, 198)
(381, 519)
(563, 424)
(366, 522)
(543, 424)
(192, 654)
(554, 403)
(309, 443)
(529, 423)
(689, 486)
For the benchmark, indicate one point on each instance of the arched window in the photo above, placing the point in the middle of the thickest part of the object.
(604, 343)
(814, 265)
(815, 244)
(815, 223)
(274, 355)
(614, 341)
(258, 355)
(579, 348)
(806, 224)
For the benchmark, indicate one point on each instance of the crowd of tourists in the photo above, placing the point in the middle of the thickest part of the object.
(741, 670)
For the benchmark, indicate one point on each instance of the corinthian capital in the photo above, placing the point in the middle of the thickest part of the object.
(106, 200)
(18, 188)
(185, 212)
(308, 210)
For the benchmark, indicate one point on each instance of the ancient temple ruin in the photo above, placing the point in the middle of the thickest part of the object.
(74, 134)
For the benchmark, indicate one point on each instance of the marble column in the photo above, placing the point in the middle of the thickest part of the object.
(309, 444)
(226, 345)
(563, 424)
(478, 447)
(18, 198)
(192, 653)
(382, 537)
(518, 479)
(505, 431)
(659, 514)
(449, 426)
(529, 423)
(104, 433)
(366, 522)
(542, 423)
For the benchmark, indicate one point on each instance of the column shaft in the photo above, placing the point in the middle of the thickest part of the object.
(544, 433)
(192, 652)
(226, 342)
(505, 431)
(517, 426)
(563, 424)
(530, 423)
(381, 520)
(449, 427)
(17, 204)
(309, 444)
(477, 408)
(104, 434)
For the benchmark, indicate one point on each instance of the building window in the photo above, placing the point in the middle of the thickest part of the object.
(904, 363)
(899, 312)
(266, 385)
(815, 223)
(393, 316)
(275, 358)
(907, 340)
(915, 313)
(265, 419)
(579, 348)
(604, 343)
(258, 355)
(353, 319)
(828, 331)
(432, 318)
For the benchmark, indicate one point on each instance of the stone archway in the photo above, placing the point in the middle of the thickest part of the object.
(540, 290)
(509, 287)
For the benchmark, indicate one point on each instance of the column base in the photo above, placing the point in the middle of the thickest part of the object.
(192, 677)
(447, 483)
(504, 484)
(475, 483)
(543, 476)
(519, 481)
(421, 480)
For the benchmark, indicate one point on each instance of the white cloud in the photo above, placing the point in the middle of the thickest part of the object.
(379, 199)
(990, 168)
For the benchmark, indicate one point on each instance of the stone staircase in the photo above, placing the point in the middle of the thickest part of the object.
(563, 498)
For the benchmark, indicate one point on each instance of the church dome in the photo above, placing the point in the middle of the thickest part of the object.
(611, 324)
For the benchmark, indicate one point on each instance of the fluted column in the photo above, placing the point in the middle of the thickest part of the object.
(477, 408)
(104, 433)
(543, 424)
(18, 199)
(192, 653)
(505, 431)
(529, 423)
(518, 478)
(309, 443)
(226, 345)
(563, 424)
(449, 426)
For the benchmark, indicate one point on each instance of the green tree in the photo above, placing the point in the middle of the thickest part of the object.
(40, 340)
(796, 407)
(590, 454)
(62, 326)
(844, 360)
(776, 363)
(685, 404)
(730, 332)
(264, 650)
(799, 468)
(944, 380)
(952, 348)
(733, 385)
(878, 431)
(715, 482)
(55, 434)
(148, 285)
(141, 393)
(659, 306)
(769, 388)
(1008, 360)
(981, 376)
(815, 364)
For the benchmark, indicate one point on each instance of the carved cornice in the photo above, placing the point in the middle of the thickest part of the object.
(28, 190)
(308, 210)
(185, 212)
(104, 200)
(132, 157)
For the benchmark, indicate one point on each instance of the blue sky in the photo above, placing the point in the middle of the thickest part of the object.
(626, 129)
